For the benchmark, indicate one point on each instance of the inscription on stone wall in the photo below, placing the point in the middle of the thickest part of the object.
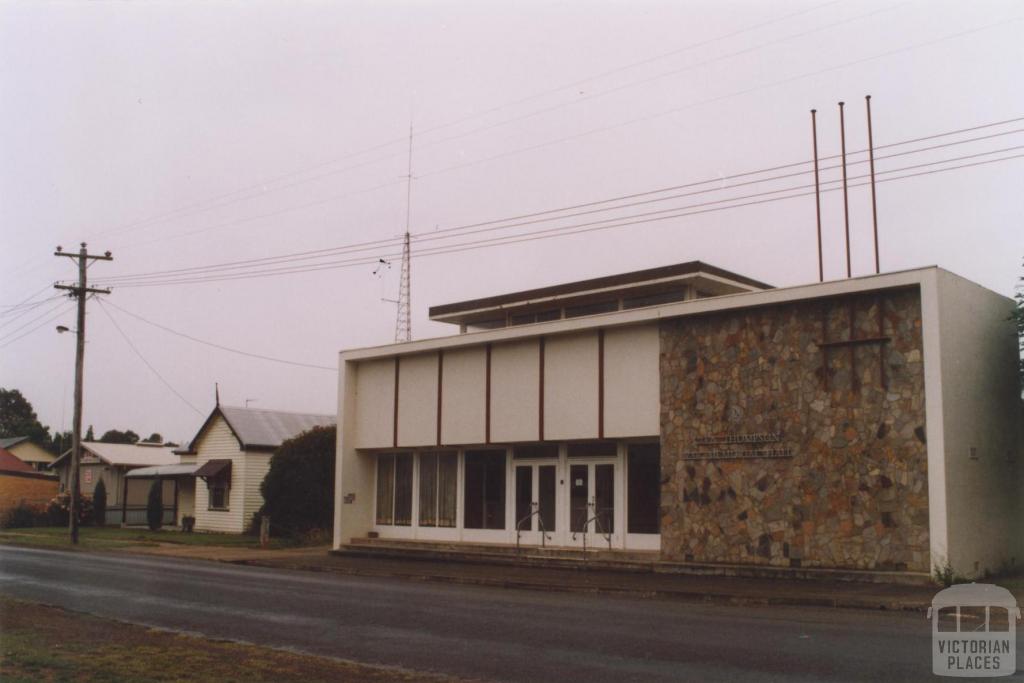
(757, 439)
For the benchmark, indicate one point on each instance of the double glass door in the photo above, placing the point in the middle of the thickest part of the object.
(536, 496)
(591, 501)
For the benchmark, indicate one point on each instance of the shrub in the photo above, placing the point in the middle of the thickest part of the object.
(155, 506)
(99, 504)
(58, 508)
(299, 488)
(23, 516)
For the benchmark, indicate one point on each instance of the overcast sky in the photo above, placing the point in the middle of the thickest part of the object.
(180, 135)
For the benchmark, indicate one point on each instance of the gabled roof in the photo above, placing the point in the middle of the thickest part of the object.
(12, 441)
(256, 429)
(126, 454)
(9, 462)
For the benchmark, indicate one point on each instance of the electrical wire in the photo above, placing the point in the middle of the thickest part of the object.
(546, 234)
(261, 186)
(601, 129)
(219, 346)
(437, 235)
(28, 308)
(45, 322)
(29, 322)
(149, 365)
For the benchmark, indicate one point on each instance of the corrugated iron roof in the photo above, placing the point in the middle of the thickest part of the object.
(258, 428)
(128, 454)
(12, 441)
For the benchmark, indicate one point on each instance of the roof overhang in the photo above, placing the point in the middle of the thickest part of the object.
(754, 299)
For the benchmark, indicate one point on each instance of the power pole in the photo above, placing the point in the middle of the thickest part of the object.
(81, 291)
(403, 321)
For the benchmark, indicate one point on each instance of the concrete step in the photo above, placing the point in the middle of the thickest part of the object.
(624, 561)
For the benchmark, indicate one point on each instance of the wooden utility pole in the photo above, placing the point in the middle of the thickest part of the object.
(81, 291)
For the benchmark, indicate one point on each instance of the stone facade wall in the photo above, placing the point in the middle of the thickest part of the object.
(849, 485)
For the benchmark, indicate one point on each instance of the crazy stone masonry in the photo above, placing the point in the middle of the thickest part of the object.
(794, 435)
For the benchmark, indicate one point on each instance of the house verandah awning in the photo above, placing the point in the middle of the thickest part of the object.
(137, 482)
(214, 469)
(163, 471)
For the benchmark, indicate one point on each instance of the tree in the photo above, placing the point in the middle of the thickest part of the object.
(89, 436)
(99, 503)
(18, 418)
(299, 488)
(117, 436)
(155, 437)
(155, 506)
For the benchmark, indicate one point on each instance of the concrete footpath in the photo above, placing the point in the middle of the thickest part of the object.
(713, 589)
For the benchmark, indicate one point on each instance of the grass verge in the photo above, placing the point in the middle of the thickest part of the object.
(40, 643)
(113, 538)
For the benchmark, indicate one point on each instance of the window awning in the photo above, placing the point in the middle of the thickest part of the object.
(214, 469)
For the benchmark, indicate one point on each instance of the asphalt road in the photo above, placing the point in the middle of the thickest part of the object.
(496, 634)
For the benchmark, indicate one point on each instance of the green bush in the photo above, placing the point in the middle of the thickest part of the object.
(58, 508)
(24, 515)
(99, 504)
(155, 506)
(299, 488)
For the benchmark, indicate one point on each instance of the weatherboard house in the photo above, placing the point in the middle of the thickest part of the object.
(690, 415)
(231, 452)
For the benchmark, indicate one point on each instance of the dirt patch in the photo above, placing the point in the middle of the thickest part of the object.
(40, 643)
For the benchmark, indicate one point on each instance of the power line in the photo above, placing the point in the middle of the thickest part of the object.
(23, 301)
(603, 129)
(42, 324)
(147, 363)
(26, 324)
(26, 309)
(502, 224)
(219, 346)
(566, 230)
(261, 187)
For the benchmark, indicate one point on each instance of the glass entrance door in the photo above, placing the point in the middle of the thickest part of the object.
(536, 487)
(591, 502)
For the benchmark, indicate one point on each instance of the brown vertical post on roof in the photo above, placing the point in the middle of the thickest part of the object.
(540, 416)
(874, 206)
(394, 438)
(600, 384)
(487, 398)
(817, 191)
(846, 199)
(174, 520)
(440, 380)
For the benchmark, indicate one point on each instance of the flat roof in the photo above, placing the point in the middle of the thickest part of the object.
(752, 299)
(620, 281)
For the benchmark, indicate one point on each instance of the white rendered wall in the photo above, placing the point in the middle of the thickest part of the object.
(981, 409)
(463, 396)
(417, 400)
(354, 471)
(570, 386)
(373, 404)
(515, 391)
(632, 401)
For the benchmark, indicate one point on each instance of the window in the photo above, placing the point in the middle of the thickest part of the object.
(394, 489)
(439, 474)
(485, 490)
(655, 299)
(218, 490)
(643, 489)
(591, 309)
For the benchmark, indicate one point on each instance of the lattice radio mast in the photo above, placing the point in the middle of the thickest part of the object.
(403, 322)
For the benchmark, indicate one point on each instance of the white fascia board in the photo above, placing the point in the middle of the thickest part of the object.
(727, 302)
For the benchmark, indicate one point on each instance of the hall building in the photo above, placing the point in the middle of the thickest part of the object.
(696, 416)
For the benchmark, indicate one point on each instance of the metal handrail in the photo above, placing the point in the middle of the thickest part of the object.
(540, 520)
(596, 518)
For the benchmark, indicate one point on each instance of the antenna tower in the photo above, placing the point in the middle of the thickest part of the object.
(403, 322)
